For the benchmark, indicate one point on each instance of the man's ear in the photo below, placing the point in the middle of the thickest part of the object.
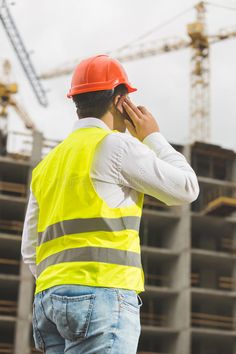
(118, 102)
(116, 99)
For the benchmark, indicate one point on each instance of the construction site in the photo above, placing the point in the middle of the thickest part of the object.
(188, 251)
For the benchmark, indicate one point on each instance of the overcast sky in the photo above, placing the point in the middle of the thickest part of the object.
(59, 31)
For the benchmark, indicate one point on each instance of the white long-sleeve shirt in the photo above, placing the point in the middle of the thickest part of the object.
(122, 168)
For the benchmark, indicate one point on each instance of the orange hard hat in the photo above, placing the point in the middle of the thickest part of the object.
(96, 73)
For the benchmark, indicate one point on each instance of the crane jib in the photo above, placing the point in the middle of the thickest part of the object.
(22, 54)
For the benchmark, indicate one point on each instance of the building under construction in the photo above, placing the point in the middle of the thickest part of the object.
(188, 255)
(188, 252)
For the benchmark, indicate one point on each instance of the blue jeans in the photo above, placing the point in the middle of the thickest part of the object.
(81, 319)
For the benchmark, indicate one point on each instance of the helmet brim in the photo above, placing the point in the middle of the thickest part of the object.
(85, 89)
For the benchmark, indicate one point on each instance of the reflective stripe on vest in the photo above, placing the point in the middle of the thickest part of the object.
(81, 240)
(88, 225)
(92, 254)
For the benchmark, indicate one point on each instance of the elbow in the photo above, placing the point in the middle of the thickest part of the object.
(195, 194)
(189, 193)
(190, 198)
(192, 190)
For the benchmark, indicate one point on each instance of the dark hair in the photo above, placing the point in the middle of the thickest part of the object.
(96, 103)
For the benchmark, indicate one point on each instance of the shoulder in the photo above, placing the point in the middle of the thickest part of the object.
(117, 147)
(112, 149)
(117, 141)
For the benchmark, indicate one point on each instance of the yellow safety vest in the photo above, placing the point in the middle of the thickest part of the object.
(81, 240)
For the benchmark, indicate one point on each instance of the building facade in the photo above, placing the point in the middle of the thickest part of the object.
(188, 255)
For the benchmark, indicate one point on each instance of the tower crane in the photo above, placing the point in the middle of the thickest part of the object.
(7, 91)
(21, 52)
(199, 41)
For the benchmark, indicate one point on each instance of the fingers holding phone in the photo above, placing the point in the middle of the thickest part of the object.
(143, 122)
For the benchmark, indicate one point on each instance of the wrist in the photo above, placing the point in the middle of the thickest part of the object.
(143, 137)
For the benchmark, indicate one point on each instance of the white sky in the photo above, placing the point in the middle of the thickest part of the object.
(59, 31)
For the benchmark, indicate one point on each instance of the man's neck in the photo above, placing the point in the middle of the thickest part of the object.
(108, 119)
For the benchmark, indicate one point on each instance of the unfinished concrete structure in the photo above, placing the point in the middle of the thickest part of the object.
(188, 255)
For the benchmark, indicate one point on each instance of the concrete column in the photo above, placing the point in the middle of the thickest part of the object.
(180, 309)
(23, 324)
(26, 286)
(234, 246)
(36, 153)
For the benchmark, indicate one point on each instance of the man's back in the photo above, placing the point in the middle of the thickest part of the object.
(80, 235)
(81, 240)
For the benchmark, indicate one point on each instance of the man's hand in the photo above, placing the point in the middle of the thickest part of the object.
(142, 122)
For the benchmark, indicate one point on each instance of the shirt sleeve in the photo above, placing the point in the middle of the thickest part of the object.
(155, 168)
(29, 235)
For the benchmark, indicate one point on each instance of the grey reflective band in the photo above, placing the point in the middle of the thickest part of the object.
(92, 254)
(75, 226)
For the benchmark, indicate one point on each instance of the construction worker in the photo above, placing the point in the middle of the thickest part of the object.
(81, 230)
